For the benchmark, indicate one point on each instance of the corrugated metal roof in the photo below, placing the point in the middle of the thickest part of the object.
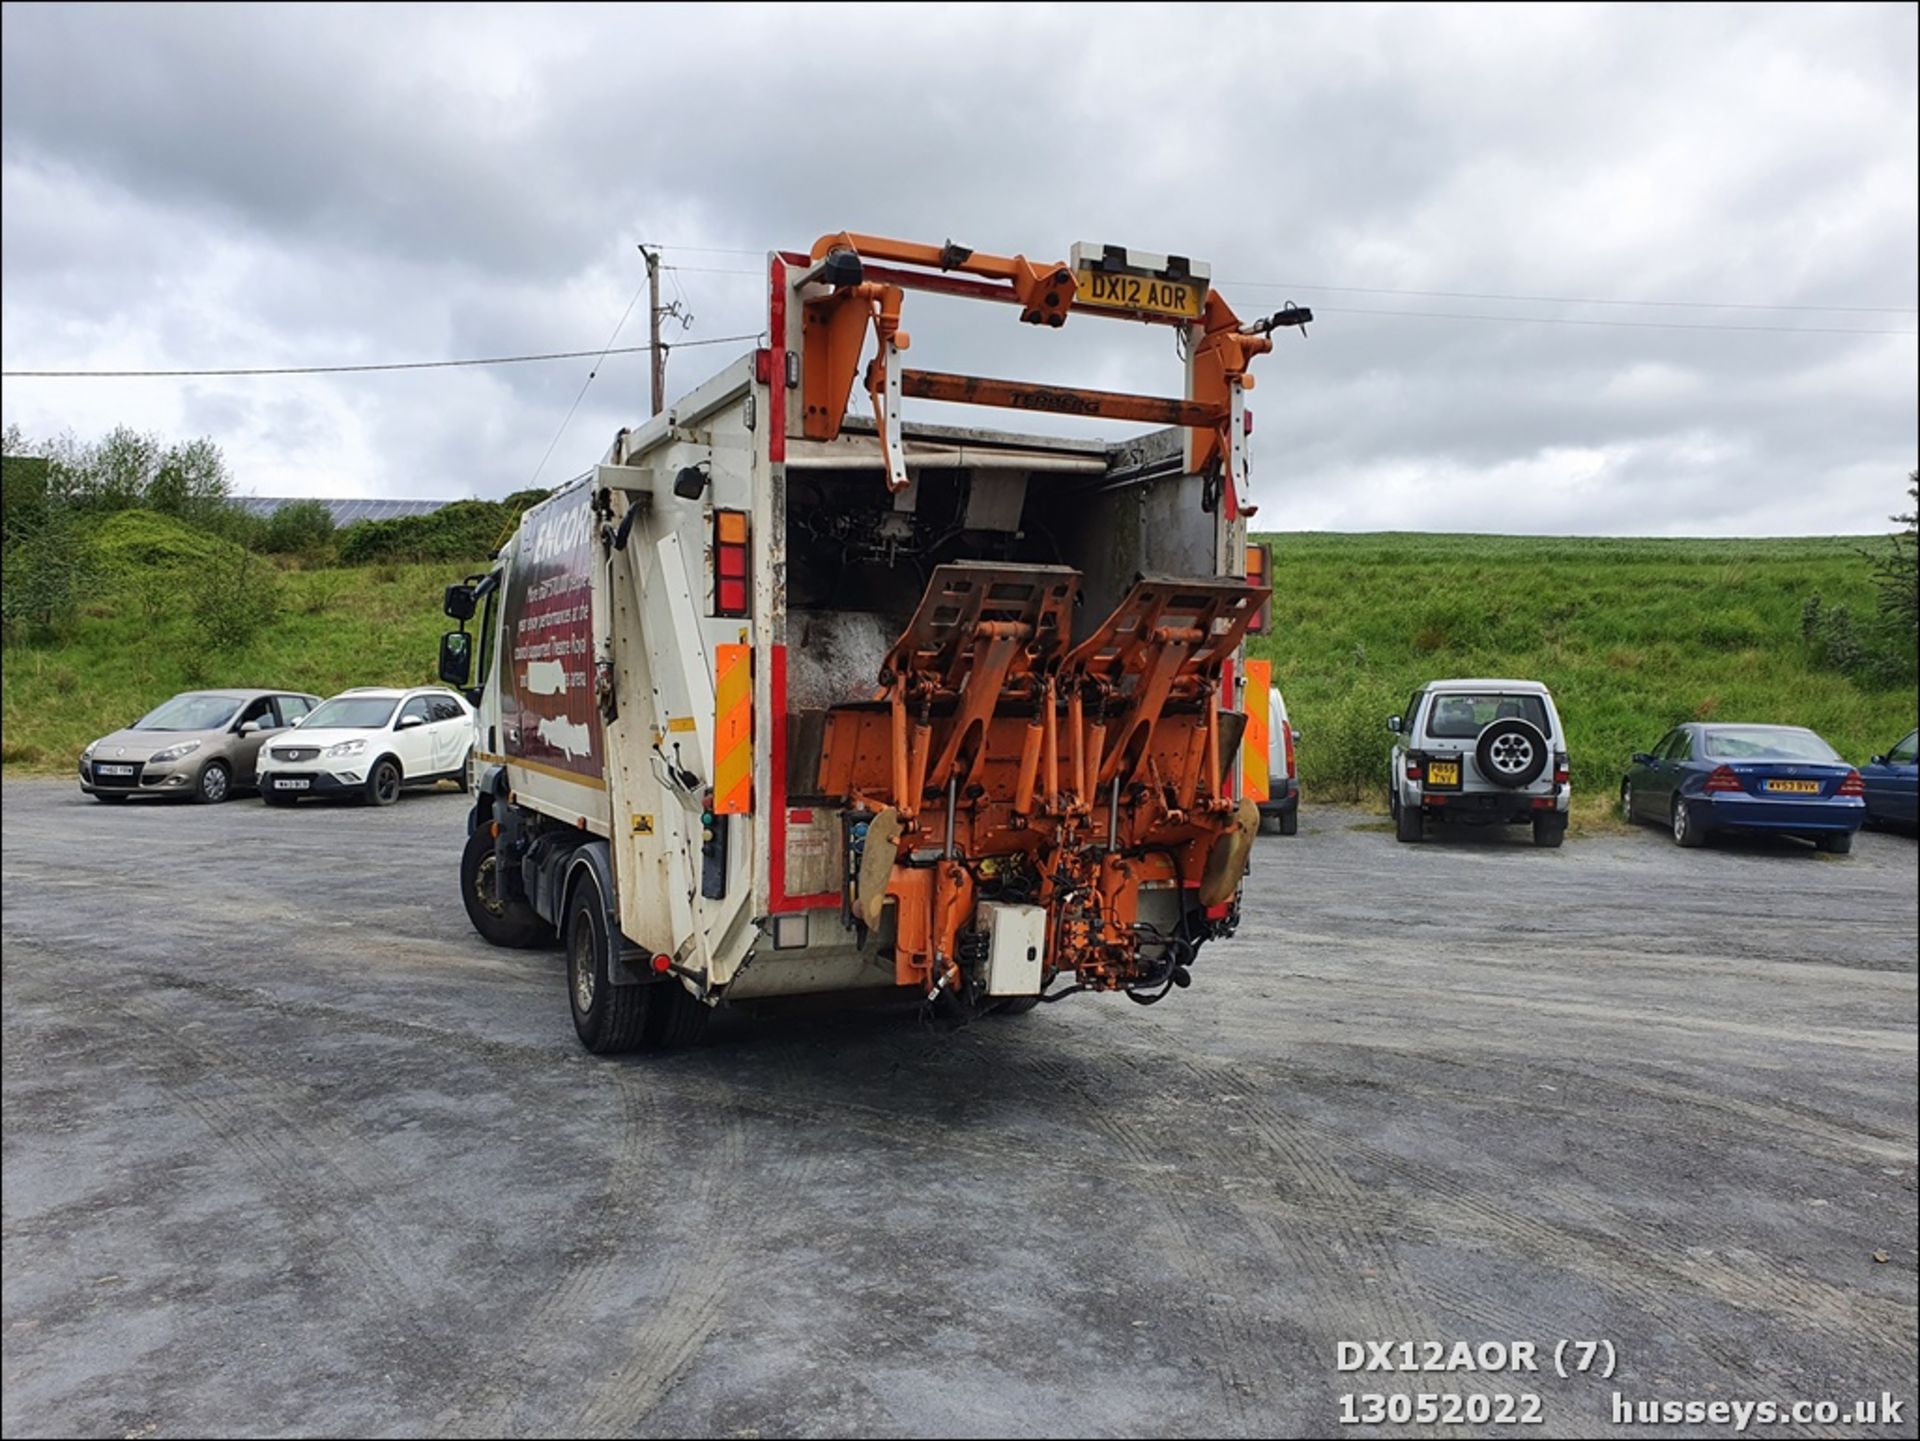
(347, 511)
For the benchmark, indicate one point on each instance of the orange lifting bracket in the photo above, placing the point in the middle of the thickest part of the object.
(867, 280)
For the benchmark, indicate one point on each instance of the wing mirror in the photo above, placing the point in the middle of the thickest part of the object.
(1393, 724)
(408, 722)
(459, 602)
(1877, 760)
(456, 657)
(1641, 758)
(252, 727)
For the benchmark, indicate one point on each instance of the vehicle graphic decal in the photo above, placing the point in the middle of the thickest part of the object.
(546, 697)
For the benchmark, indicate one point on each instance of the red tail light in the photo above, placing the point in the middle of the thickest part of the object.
(1723, 779)
(732, 595)
(1286, 735)
(1562, 773)
(1852, 785)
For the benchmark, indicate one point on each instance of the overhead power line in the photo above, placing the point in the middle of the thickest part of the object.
(1628, 324)
(1568, 299)
(361, 369)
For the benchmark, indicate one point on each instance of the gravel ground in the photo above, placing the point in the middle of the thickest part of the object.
(288, 1149)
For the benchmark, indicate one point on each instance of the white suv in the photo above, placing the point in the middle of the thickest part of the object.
(369, 742)
(1487, 752)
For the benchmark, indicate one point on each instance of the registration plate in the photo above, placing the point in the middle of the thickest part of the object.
(1443, 773)
(285, 784)
(113, 770)
(1143, 294)
(1794, 788)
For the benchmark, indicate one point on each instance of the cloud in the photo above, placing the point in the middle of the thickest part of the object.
(293, 185)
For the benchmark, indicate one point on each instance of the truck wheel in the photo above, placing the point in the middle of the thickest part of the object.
(1549, 829)
(674, 1017)
(1290, 823)
(1408, 822)
(383, 782)
(1015, 1006)
(1836, 845)
(609, 1019)
(502, 923)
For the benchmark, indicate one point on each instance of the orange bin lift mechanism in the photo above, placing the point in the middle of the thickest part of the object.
(998, 748)
(867, 290)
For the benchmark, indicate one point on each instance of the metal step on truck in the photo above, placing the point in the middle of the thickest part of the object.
(780, 700)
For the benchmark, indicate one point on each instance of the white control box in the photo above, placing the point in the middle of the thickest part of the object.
(1016, 947)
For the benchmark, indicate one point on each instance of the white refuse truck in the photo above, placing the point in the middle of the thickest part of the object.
(779, 699)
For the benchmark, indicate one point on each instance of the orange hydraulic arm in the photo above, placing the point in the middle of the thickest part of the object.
(867, 280)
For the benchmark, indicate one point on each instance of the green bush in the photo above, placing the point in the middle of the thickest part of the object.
(304, 528)
(128, 542)
(47, 570)
(232, 599)
(467, 530)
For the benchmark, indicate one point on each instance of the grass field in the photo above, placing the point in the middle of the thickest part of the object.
(370, 625)
(1631, 635)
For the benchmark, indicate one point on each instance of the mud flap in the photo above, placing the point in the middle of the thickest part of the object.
(1227, 862)
(877, 855)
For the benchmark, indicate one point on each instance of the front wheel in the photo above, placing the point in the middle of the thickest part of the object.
(1687, 830)
(383, 783)
(1626, 801)
(1836, 845)
(609, 1019)
(512, 923)
(215, 783)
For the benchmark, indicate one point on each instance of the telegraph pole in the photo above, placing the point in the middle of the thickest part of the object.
(656, 351)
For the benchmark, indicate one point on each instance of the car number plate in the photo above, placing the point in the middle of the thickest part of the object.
(1795, 788)
(1443, 773)
(1142, 294)
(114, 770)
(285, 784)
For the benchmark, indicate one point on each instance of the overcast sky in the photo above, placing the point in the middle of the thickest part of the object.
(235, 186)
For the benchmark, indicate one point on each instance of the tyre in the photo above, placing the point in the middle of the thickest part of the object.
(1269, 823)
(1408, 822)
(461, 778)
(1015, 1006)
(1836, 845)
(1549, 829)
(214, 785)
(609, 1019)
(674, 1017)
(1290, 823)
(107, 800)
(512, 923)
(383, 782)
(1687, 830)
(1626, 801)
(1511, 752)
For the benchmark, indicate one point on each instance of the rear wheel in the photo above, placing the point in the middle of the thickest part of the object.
(674, 1017)
(511, 922)
(609, 1019)
(383, 782)
(1549, 829)
(1015, 1006)
(1290, 822)
(1408, 823)
(1687, 830)
(1836, 845)
(1626, 801)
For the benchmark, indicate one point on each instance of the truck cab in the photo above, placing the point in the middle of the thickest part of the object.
(778, 699)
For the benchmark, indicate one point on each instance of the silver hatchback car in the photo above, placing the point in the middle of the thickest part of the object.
(202, 744)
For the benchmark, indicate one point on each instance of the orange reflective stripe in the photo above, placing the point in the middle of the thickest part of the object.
(1254, 784)
(732, 730)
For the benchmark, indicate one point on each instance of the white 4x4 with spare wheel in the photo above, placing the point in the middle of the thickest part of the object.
(1487, 752)
(369, 742)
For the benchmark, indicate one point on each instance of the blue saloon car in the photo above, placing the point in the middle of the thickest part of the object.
(1893, 786)
(1705, 778)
